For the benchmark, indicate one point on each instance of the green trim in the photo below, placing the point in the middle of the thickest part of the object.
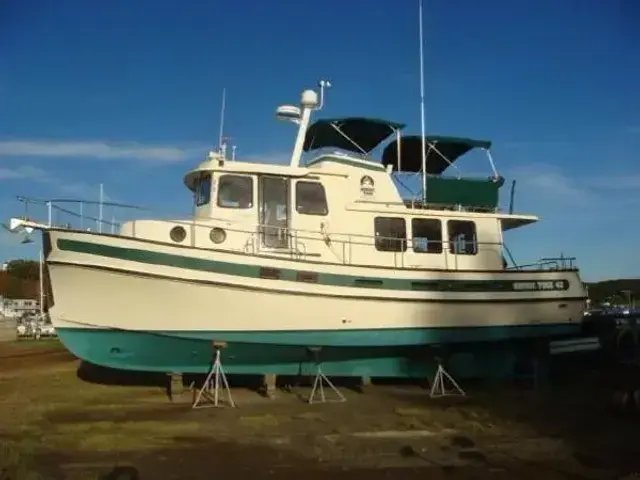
(292, 275)
(378, 352)
(345, 161)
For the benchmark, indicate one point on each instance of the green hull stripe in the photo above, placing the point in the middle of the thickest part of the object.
(274, 274)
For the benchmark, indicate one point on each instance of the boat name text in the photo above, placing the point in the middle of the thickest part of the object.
(540, 285)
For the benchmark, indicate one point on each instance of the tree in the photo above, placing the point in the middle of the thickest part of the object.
(621, 289)
(13, 287)
(24, 269)
(20, 280)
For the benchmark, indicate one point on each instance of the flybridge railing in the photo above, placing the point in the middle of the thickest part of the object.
(89, 215)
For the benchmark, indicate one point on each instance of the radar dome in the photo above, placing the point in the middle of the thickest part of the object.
(309, 99)
(288, 112)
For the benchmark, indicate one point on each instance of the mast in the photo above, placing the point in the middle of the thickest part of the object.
(222, 108)
(100, 208)
(422, 126)
(41, 275)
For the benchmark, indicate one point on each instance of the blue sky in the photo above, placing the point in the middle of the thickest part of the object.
(128, 94)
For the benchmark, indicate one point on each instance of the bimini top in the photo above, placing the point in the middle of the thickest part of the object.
(441, 152)
(355, 134)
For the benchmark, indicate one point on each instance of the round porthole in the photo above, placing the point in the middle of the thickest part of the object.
(217, 235)
(178, 234)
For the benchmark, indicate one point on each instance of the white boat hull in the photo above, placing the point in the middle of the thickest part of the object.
(161, 306)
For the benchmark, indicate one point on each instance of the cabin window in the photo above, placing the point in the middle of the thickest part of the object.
(235, 191)
(462, 237)
(311, 198)
(426, 235)
(390, 234)
(203, 190)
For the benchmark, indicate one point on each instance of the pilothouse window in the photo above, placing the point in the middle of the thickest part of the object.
(203, 190)
(426, 235)
(463, 239)
(235, 191)
(390, 234)
(311, 198)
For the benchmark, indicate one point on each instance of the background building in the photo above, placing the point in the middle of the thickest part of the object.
(15, 307)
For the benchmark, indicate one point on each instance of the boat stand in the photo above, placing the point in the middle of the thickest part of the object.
(320, 380)
(438, 387)
(216, 379)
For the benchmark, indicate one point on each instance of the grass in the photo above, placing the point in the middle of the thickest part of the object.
(50, 419)
(16, 463)
(47, 409)
(30, 343)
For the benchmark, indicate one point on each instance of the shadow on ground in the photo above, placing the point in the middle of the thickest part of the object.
(96, 374)
(203, 460)
(574, 406)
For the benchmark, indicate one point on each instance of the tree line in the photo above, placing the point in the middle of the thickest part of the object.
(20, 279)
(618, 291)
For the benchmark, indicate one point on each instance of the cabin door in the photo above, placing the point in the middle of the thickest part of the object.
(274, 211)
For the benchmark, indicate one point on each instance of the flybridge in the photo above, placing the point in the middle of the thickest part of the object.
(360, 136)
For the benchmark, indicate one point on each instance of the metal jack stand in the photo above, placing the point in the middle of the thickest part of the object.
(321, 378)
(438, 389)
(211, 388)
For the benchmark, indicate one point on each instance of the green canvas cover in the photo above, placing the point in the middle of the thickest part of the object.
(469, 192)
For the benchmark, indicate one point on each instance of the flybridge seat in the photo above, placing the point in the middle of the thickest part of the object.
(362, 135)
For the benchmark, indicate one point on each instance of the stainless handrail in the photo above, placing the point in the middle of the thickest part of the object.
(298, 237)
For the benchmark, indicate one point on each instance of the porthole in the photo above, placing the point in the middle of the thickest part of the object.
(178, 234)
(217, 235)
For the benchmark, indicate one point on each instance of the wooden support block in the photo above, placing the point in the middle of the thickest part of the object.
(364, 384)
(175, 386)
(269, 385)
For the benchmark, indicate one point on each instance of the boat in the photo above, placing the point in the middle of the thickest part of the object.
(324, 253)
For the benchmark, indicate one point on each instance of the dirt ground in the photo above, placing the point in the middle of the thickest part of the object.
(7, 329)
(60, 418)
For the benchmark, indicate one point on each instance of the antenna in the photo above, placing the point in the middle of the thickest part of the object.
(422, 127)
(224, 101)
(324, 85)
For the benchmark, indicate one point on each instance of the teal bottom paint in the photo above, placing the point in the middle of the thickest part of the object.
(479, 352)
